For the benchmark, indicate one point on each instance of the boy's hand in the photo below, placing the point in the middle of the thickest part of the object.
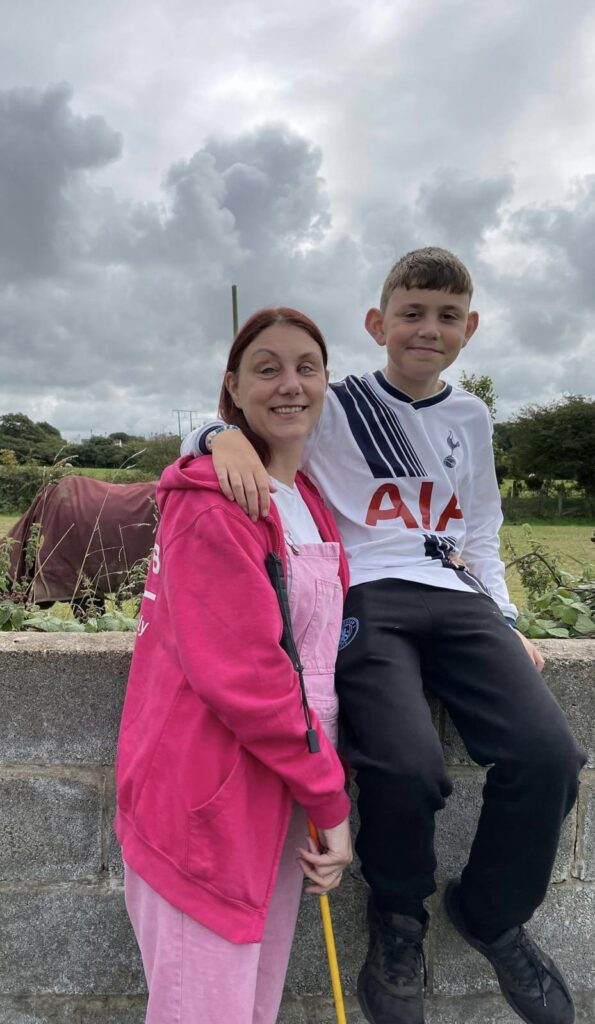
(242, 476)
(532, 651)
(325, 869)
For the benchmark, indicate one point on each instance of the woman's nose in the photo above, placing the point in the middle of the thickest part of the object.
(290, 383)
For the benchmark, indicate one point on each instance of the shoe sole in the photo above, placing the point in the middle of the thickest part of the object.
(452, 909)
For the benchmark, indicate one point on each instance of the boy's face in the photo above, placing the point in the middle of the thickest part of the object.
(423, 331)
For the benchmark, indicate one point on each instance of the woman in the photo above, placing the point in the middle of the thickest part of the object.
(214, 774)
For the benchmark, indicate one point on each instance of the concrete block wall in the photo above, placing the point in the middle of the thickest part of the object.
(67, 954)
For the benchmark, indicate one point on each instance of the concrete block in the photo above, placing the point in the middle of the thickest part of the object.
(62, 696)
(569, 672)
(563, 926)
(308, 971)
(113, 854)
(491, 1009)
(454, 749)
(457, 823)
(50, 828)
(292, 1011)
(585, 867)
(65, 1010)
(69, 940)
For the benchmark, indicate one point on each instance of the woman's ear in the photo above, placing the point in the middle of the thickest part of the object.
(231, 383)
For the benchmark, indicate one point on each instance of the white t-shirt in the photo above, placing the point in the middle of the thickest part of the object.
(298, 524)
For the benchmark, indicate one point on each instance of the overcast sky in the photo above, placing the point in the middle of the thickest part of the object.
(153, 153)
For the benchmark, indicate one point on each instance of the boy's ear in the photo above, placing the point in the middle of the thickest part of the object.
(231, 385)
(375, 325)
(472, 325)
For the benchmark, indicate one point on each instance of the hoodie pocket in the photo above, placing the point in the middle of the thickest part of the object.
(235, 839)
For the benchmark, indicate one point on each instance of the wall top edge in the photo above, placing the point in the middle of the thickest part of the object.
(70, 643)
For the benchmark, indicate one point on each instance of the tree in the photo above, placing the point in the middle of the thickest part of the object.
(557, 442)
(482, 387)
(160, 450)
(98, 451)
(31, 442)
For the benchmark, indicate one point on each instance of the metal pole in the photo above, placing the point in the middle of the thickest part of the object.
(234, 308)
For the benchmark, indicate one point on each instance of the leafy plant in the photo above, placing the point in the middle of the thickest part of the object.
(559, 603)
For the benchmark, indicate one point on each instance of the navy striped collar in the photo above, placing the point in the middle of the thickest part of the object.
(420, 403)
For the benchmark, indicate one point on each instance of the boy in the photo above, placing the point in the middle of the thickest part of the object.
(405, 462)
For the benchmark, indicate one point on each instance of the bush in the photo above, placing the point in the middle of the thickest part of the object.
(560, 604)
(20, 484)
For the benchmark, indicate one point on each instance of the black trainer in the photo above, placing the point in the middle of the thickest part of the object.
(528, 978)
(389, 987)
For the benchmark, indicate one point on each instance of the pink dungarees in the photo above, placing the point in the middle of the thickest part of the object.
(195, 976)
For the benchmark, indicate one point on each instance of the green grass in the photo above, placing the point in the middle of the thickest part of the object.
(569, 543)
(5, 524)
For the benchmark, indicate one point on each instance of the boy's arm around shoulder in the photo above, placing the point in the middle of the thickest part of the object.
(240, 471)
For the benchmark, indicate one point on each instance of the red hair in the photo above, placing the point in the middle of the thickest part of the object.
(247, 333)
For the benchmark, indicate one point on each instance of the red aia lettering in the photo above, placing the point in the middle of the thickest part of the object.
(399, 510)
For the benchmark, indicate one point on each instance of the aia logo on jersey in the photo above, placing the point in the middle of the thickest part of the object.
(449, 460)
(387, 503)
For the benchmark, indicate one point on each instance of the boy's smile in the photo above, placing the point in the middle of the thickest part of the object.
(423, 331)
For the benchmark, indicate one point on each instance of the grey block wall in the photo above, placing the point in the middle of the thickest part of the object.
(67, 954)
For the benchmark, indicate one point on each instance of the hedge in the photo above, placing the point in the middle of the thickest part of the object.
(20, 484)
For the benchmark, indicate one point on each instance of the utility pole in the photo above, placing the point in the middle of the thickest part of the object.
(187, 412)
(234, 308)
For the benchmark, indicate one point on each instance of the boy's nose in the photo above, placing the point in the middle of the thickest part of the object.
(428, 329)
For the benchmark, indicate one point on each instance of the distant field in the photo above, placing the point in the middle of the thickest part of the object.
(5, 523)
(568, 542)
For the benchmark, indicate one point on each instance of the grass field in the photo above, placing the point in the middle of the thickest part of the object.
(570, 543)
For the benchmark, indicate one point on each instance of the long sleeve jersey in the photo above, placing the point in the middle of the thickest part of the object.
(411, 484)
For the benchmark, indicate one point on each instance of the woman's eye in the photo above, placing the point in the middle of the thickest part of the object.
(267, 370)
(306, 368)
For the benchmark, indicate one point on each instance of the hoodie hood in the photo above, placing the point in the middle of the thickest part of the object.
(187, 474)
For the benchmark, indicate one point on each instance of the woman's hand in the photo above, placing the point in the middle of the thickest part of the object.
(241, 474)
(325, 870)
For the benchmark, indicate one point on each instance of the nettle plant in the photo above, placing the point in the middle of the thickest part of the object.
(90, 612)
(559, 603)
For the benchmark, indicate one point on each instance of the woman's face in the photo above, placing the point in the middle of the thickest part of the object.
(280, 385)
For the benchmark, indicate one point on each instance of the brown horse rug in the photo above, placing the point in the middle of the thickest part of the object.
(91, 534)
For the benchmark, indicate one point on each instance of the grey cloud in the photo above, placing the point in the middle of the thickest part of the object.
(460, 210)
(140, 323)
(44, 148)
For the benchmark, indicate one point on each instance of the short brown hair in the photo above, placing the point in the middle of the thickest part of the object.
(431, 267)
(247, 333)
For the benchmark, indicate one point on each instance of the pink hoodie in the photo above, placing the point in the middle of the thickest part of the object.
(212, 749)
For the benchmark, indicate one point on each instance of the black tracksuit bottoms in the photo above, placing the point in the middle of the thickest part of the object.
(403, 638)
